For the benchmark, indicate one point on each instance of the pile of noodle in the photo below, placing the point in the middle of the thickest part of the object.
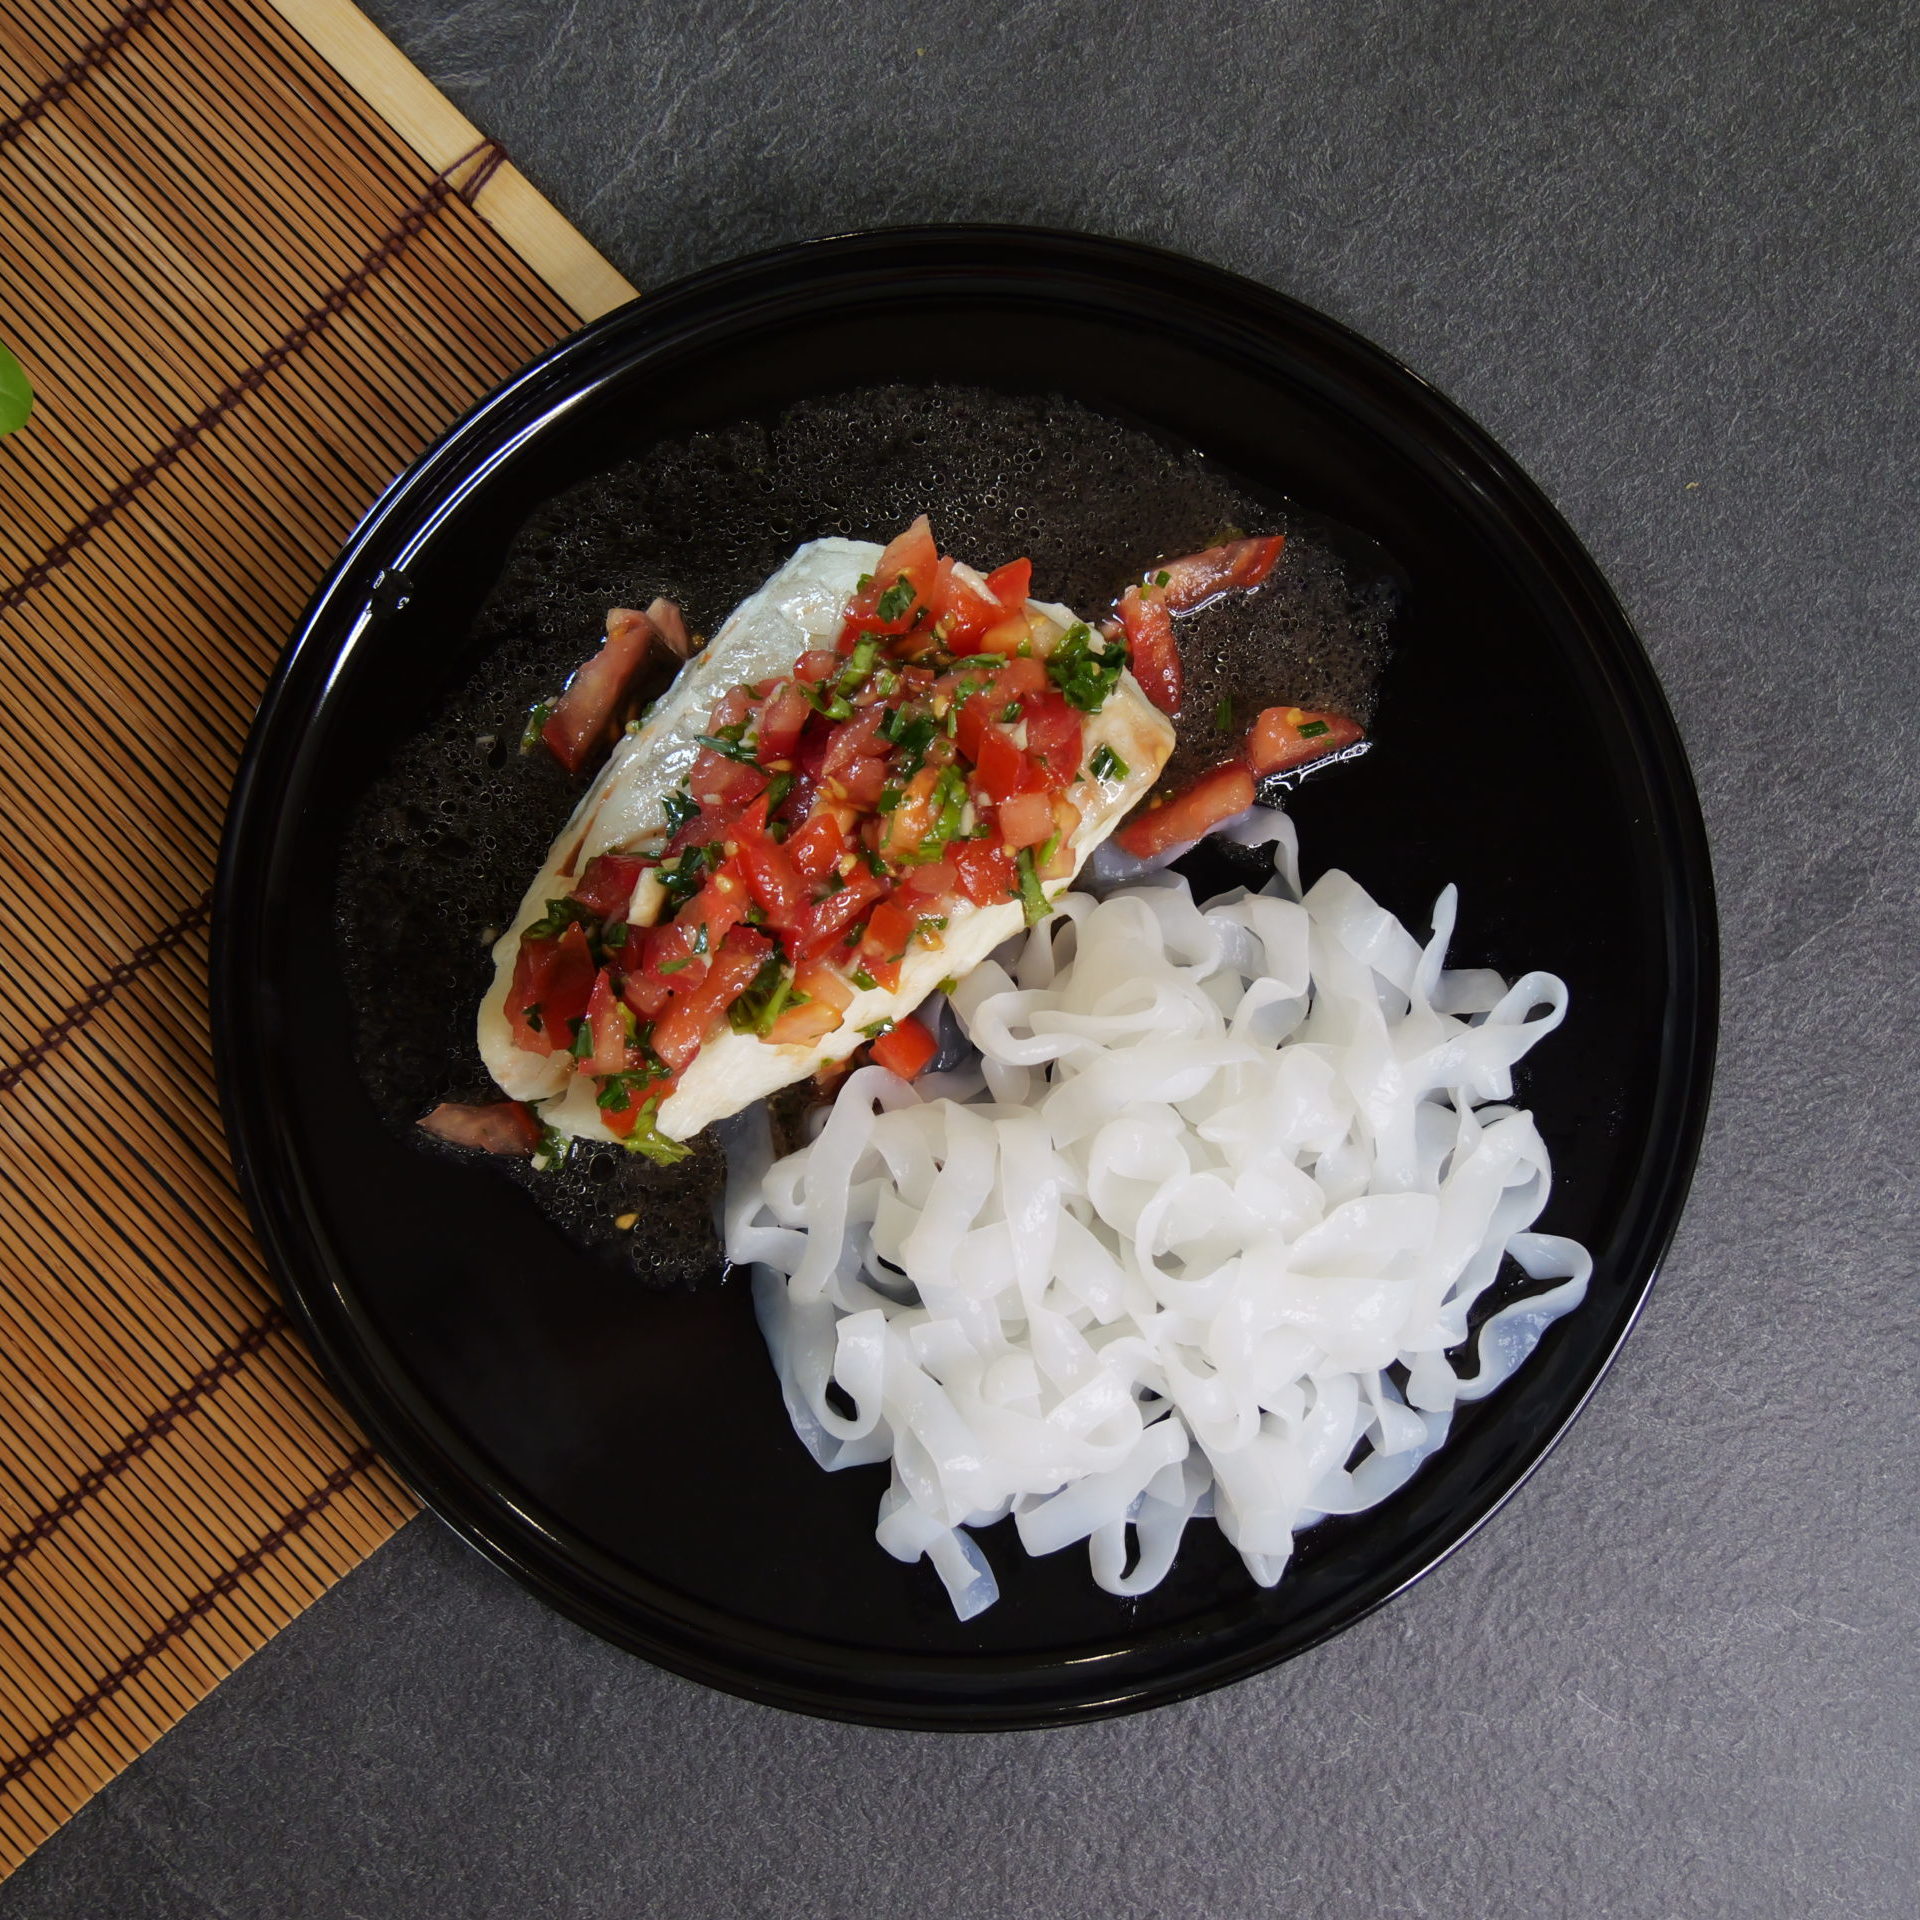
(1195, 1233)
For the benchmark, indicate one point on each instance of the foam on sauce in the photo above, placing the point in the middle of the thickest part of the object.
(443, 845)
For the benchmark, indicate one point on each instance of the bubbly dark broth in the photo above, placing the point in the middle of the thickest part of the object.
(442, 848)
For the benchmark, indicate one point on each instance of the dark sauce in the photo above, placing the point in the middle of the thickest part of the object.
(443, 846)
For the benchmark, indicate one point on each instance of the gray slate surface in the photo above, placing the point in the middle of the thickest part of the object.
(1666, 255)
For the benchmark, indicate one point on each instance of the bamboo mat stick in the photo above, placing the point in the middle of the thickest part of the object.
(248, 291)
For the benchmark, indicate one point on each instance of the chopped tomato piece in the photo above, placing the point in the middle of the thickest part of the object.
(815, 665)
(1011, 584)
(910, 556)
(818, 844)
(827, 998)
(1287, 737)
(1018, 629)
(719, 783)
(500, 1126)
(836, 915)
(607, 885)
(552, 980)
(671, 625)
(648, 998)
(863, 783)
(925, 885)
(1196, 810)
(906, 1049)
(1026, 819)
(1021, 678)
(607, 1026)
(1239, 564)
(908, 824)
(985, 871)
(783, 895)
(684, 1029)
(961, 611)
(1156, 653)
(782, 718)
(1054, 738)
(884, 946)
(854, 741)
(584, 715)
(1003, 769)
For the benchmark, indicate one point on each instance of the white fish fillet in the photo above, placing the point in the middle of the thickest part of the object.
(799, 607)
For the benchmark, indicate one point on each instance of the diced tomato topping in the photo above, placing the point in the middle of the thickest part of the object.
(552, 980)
(1196, 810)
(607, 886)
(1008, 635)
(818, 844)
(922, 886)
(1011, 584)
(853, 741)
(680, 1034)
(607, 1026)
(647, 997)
(1026, 819)
(985, 871)
(911, 556)
(500, 1126)
(1287, 737)
(584, 715)
(1054, 738)
(671, 625)
(783, 895)
(1239, 564)
(827, 998)
(1021, 678)
(1150, 638)
(907, 1049)
(961, 612)
(720, 784)
(1002, 769)
(782, 718)
(884, 946)
(815, 665)
(908, 824)
(839, 912)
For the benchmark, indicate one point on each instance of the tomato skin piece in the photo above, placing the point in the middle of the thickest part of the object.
(1002, 769)
(907, 825)
(1232, 567)
(1011, 584)
(583, 716)
(1055, 737)
(1195, 810)
(783, 717)
(649, 999)
(985, 871)
(960, 611)
(722, 785)
(815, 665)
(889, 929)
(1021, 678)
(679, 1036)
(607, 886)
(608, 1027)
(906, 1049)
(499, 1126)
(555, 979)
(821, 842)
(1275, 745)
(828, 998)
(1156, 652)
(782, 894)
(911, 555)
(833, 916)
(1025, 820)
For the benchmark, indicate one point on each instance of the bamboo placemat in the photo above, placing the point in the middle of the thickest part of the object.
(252, 262)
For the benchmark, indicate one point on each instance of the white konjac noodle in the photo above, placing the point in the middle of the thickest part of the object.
(1215, 1172)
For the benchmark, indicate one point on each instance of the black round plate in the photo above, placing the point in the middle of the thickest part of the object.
(624, 1453)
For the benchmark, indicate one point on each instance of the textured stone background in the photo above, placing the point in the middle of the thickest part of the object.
(1666, 254)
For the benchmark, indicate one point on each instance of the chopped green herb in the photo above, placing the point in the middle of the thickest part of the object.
(679, 806)
(834, 883)
(728, 743)
(582, 1040)
(766, 999)
(1084, 675)
(536, 722)
(875, 1028)
(646, 1138)
(618, 1089)
(948, 984)
(897, 599)
(1223, 714)
(864, 980)
(559, 916)
(860, 665)
(553, 1151)
(929, 923)
(777, 789)
(890, 797)
(1048, 849)
(823, 700)
(875, 865)
(1106, 764)
(1010, 713)
(913, 735)
(1162, 579)
(1313, 729)
(1033, 899)
(613, 935)
(863, 583)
